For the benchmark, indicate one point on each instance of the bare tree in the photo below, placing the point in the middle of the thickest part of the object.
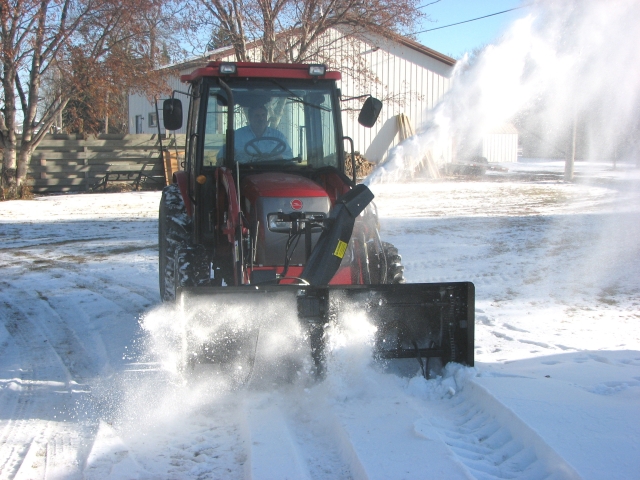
(50, 41)
(332, 32)
(292, 31)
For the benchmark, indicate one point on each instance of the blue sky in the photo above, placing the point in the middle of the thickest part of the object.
(455, 41)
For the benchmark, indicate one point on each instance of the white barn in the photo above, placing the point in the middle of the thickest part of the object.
(409, 77)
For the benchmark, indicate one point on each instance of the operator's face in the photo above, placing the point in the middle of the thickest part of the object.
(258, 120)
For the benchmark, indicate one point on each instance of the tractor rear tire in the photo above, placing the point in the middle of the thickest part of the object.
(395, 269)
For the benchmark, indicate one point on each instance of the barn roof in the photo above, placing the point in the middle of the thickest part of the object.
(225, 51)
(407, 42)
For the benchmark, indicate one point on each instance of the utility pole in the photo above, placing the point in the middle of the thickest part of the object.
(571, 153)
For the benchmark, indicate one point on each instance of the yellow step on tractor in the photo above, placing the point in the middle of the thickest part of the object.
(262, 212)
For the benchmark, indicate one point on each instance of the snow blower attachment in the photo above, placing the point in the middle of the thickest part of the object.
(422, 321)
(264, 171)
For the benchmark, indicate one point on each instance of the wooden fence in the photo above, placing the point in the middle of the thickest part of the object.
(70, 163)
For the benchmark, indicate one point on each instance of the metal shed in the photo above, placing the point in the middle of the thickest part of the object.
(501, 144)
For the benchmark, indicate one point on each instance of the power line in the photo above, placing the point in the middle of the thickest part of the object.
(423, 6)
(472, 20)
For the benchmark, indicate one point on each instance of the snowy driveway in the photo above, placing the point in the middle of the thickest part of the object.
(556, 390)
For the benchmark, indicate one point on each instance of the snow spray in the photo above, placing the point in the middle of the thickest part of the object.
(349, 341)
(264, 346)
(272, 347)
(251, 339)
(567, 63)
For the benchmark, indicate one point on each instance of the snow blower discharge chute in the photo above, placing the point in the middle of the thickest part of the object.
(262, 209)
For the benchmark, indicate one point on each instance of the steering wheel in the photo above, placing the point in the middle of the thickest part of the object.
(252, 147)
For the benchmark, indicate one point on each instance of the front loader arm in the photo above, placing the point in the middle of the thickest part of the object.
(224, 176)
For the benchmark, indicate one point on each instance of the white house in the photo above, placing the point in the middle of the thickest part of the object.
(409, 77)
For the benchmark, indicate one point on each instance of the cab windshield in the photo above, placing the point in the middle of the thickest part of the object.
(276, 122)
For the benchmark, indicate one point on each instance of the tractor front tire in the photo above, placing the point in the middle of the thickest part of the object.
(174, 230)
(395, 269)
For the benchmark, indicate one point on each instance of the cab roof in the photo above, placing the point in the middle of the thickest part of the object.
(260, 70)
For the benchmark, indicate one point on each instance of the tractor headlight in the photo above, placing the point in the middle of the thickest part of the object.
(317, 70)
(278, 225)
(228, 68)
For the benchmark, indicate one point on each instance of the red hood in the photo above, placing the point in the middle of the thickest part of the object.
(280, 185)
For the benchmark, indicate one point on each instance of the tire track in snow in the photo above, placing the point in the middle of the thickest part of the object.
(97, 323)
(130, 297)
(72, 267)
(17, 392)
(43, 396)
(70, 348)
(86, 303)
(272, 445)
(486, 447)
(382, 432)
(14, 443)
(34, 463)
(492, 441)
(291, 435)
(447, 433)
(324, 432)
(242, 434)
(155, 426)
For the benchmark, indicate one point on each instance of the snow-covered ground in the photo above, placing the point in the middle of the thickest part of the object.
(555, 392)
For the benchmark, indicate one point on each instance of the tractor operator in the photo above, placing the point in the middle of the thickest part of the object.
(257, 141)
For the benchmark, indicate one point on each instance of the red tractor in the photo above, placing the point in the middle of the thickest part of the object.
(263, 207)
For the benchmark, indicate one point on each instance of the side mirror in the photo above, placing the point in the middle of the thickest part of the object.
(370, 111)
(172, 113)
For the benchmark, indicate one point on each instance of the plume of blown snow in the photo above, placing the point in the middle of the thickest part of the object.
(564, 62)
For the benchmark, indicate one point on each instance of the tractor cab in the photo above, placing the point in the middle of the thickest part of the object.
(263, 117)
